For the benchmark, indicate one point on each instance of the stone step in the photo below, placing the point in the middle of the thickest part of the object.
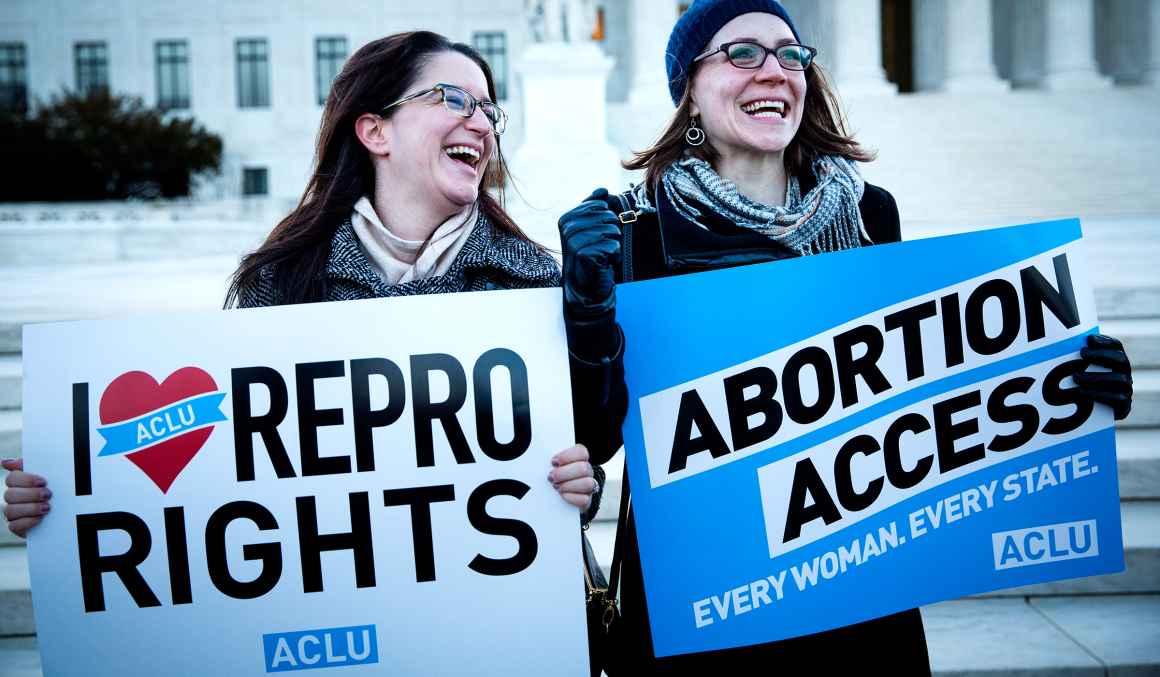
(1141, 339)
(20, 657)
(1138, 451)
(7, 538)
(1145, 415)
(11, 334)
(1128, 302)
(10, 433)
(1129, 308)
(1137, 455)
(1137, 440)
(1039, 635)
(1140, 521)
(15, 596)
(1138, 461)
(1145, 400)
(11, 378)
(1141, 528)
(1076, 636)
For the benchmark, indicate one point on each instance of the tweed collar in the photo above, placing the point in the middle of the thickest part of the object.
(486, 248)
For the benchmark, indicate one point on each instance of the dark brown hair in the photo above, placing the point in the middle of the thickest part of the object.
(822, 132)
(377, 74)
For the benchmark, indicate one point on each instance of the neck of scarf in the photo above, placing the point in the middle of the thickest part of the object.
(399, 261)
(825, 219)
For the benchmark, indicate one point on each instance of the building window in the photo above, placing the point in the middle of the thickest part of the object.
(172, 74)
(329, 55)
(253, 73)
(493, 47)
(255, 181)
(92, 62)
(13, 77)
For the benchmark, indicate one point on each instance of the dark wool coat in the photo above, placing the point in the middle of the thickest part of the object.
(664, 244)
(490, 259)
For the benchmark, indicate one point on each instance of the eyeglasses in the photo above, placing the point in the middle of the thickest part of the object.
(793, 57)
(461, 103)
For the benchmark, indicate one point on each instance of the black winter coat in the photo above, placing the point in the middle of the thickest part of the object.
(663, 244)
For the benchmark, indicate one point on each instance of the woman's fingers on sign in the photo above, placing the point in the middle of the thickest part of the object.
(572, 476)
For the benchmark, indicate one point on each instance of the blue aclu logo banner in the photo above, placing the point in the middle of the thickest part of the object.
(820, 441)
(321, 648)
(162, 424)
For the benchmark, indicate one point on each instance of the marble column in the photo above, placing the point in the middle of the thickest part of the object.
(1070, 60)
(970, 62)
(929, 33)
(1122, 39)
(651, 22)
(553, 20)
(1152, 75)
(857, 45)
(953, 46)
(1025, 41)
(565, 150)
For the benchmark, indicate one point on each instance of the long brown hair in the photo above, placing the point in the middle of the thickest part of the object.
(822, 132)
(377, 74)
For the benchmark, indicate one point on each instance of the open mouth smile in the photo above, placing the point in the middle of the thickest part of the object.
(466, 154)
(766, 108)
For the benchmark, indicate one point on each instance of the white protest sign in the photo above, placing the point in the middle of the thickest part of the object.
(359, 485)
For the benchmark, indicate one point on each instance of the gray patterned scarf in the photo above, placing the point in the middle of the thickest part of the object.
(825, 219)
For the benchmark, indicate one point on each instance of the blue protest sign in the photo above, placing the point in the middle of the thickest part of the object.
(819, 441)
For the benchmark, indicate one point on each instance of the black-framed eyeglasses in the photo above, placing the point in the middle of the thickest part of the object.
(746, 54)
(460, 102)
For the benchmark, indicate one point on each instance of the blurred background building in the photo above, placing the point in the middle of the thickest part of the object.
(983, 112)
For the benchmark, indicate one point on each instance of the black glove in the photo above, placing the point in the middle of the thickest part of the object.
(590, 239)
(1113, 388)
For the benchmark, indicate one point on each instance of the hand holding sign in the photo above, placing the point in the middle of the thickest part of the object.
(939, 420)
(572, 477)
(26, 499)
(372, 486)
(1113, 387)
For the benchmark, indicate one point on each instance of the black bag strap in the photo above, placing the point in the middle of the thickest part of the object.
(621, 526)
(627, 216)
(593, 575)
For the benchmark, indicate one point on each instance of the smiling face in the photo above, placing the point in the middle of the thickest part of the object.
(749, 111)
(433, 154)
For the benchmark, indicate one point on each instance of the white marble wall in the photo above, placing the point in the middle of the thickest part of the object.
(280, 137)
(959, 45)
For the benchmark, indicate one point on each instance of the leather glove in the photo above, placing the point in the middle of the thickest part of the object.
(1113, 388)
(590, 240)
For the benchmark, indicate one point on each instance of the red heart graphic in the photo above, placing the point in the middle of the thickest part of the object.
(136, 393)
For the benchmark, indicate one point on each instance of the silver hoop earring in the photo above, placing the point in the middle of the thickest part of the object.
(694, 136)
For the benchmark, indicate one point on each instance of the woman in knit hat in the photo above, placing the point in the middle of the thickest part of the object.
(754, 166)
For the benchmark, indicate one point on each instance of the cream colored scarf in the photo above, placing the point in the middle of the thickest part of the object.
(399, 261)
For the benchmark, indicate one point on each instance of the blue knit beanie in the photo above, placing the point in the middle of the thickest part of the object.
(701, 22)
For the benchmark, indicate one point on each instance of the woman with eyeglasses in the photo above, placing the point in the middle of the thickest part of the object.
(754, 166)
(398, 205)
